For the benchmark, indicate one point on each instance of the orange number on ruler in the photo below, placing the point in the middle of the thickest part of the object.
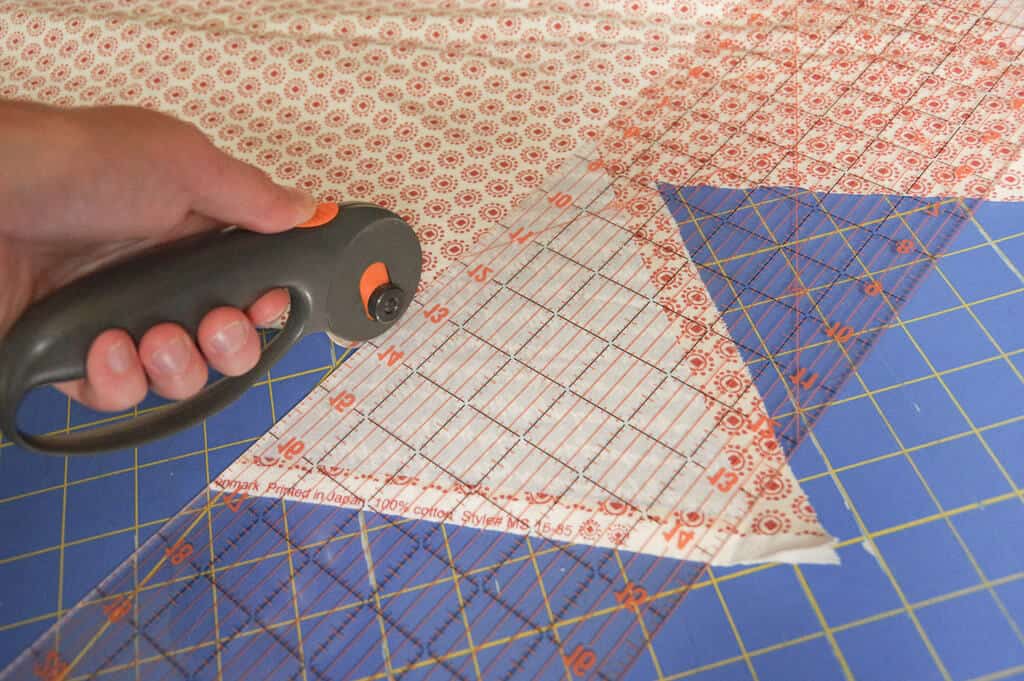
(905, 246)
(390, 356)
(52, 668)
(724, 480)
(234, 500)
(521, 237)
(990, 136)
(581, 661)
(764, 420)
(962, 171)
(873, 288)
(631, 595)
(291, 449)
(117, 609)
(1017, 104)
(480, 273)
(801, 378)
(841, 334)
(631, 131)
(682, 537)
(179, 553)
(560, 200)
(595, 165)
(437, 314)
(342, 402)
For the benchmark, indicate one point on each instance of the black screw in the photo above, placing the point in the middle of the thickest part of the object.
(385, 303)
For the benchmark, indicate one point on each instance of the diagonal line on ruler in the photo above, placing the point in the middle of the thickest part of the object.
(294, 593)
(461, 600)
(371, 575)
(547, 602)
(62, 545)
(212, 558)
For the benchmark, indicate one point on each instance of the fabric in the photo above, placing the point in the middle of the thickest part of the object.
(454, 114)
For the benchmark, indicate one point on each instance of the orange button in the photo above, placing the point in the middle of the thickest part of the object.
(325, 212)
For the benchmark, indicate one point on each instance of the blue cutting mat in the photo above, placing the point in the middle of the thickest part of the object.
(921, 461)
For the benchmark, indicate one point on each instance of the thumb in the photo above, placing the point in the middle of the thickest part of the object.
(234, 192)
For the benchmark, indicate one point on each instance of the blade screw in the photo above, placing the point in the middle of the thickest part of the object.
(385, 303)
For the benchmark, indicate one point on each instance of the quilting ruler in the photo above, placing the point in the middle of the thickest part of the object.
(242, 586)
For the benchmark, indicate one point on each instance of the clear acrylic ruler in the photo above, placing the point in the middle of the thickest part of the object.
(567, 386)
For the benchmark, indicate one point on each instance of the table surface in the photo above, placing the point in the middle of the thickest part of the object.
(917, 468)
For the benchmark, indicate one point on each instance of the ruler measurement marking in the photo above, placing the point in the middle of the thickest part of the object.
(634, 596)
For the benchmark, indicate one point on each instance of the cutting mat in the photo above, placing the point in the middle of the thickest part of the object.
(917, 468)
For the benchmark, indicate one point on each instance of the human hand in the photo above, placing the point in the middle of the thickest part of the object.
(80, 188)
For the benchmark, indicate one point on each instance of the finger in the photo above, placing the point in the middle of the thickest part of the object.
(114, 377)
(175, 368)
(237, 193)
(270, 309)
(229, 341)
(194, 223)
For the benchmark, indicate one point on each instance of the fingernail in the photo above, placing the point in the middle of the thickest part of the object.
(171, 358)
(280, 320)
(119, 357)
(230, 339)
(308, 203)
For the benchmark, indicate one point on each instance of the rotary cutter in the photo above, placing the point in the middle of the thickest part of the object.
(351, 271)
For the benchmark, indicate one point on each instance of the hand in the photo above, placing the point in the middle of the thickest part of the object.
(82, 187)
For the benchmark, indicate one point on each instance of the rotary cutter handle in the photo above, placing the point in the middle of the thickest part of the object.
(351, 273)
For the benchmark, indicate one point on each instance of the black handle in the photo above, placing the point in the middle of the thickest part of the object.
(321, 267)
